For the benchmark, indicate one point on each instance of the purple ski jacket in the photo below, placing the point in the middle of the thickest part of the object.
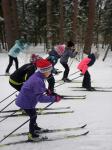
(32, 92)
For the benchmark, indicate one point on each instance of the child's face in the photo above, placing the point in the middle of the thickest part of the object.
(46, 74)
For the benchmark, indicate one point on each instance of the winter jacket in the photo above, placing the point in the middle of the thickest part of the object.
(83, 65)
(86, 62)
(53, 57)
(17, 48)
(32, 92)
(67, 53)
(22, 74)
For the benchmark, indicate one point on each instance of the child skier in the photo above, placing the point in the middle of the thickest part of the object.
(18, 47)
(17, 78)
(32, 92)
(83, 67)
(69, 52)
(54, 55)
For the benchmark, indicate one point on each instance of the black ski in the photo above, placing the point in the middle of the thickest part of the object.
(39, 113)
(73, 95)
(19, 110)
(97, 90)
(47, 139)
(72, 81)
(96, 87)
(1, 75)
(53, 130)
(73, 98)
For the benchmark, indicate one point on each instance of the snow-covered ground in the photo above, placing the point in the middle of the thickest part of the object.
(95, 110)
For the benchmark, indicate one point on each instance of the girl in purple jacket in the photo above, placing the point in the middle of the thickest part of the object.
(34, 91)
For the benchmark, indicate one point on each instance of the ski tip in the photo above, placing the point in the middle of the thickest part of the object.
(84, 126)
(86, 133)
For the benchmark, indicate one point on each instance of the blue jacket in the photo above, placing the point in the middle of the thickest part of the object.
(53, 56)
(17, 48)
(32, 92)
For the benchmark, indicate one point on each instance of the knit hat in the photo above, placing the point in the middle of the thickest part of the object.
(70, 44)
(34, 58)
(44, 65)
(60, 49)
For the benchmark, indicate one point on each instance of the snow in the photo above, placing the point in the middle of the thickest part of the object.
(95, 110)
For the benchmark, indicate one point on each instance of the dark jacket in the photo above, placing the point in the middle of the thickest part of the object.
(23, 73)
(93, 59)
(67, 53)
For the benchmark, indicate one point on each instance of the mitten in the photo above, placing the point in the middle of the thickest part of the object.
(58, 98)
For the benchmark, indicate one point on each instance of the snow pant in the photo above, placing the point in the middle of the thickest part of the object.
(86, 80)
(51, 82)
(33, 116)
(11, 59)
(66, 72)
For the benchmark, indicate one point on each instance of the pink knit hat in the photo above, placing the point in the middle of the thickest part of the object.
(44, 65)
(35, 58)
(60, 49)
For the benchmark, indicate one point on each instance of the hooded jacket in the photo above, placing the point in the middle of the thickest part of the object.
(17, 48)
(32, 92)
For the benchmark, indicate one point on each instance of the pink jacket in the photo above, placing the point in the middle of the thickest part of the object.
(83, 65)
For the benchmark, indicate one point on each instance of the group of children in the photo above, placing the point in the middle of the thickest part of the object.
(29, 80)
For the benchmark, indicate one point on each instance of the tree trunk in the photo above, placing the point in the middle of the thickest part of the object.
(49, 31)
(61, 19)
(90, 25)
(10, 16)
(74, 24)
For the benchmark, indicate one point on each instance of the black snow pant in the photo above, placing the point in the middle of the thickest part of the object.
(33, 116)
(11, 59)
(86, 80)
(51, 83)
(66, 72)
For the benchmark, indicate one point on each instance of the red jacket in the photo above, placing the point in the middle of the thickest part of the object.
(83, 65)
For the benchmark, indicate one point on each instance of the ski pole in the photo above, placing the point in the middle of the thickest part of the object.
(23, 124)
(74, 73)
(8, 97)
(71, 80)
(7, 117)
(71, 63)
(7, 105)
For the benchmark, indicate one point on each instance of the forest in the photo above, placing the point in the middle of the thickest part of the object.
(52, 22)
